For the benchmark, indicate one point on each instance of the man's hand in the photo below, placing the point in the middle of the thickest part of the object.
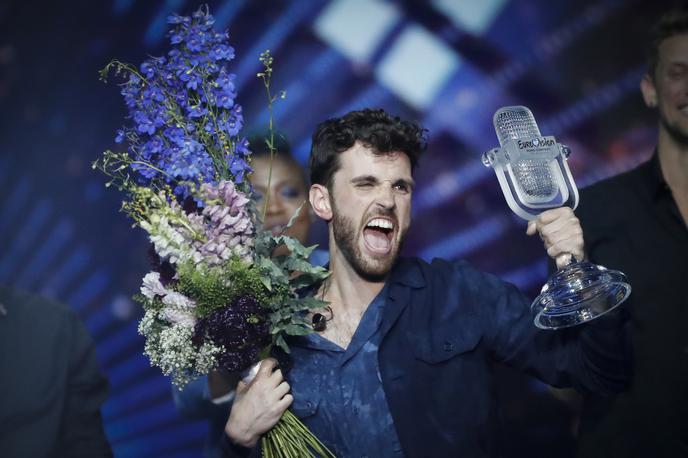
(259, 405)
(561, 232)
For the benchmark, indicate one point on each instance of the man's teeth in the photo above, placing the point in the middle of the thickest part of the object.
(381, 223)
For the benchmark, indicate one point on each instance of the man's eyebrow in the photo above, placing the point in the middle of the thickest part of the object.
(364, 178)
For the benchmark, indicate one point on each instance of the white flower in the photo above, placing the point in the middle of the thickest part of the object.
(180, 317)
(178, 309)
(151, 286)
(178, 301)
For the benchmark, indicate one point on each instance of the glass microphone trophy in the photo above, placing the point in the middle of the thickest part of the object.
(534, 175)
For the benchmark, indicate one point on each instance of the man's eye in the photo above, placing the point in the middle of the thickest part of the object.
(365, 184)
(402, 187)
(677, 72)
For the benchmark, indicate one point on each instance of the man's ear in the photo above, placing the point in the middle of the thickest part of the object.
(647, 87)
(319, 196)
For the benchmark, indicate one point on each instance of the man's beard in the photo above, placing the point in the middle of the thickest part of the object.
(345, 238)
(675, 132)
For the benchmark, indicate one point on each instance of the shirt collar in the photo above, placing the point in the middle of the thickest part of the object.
(408, 273)
(657, 185)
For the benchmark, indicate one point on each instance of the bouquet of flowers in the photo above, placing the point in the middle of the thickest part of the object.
(216, 298)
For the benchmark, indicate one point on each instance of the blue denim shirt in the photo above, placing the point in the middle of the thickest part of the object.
(444, 326)
(338, 392)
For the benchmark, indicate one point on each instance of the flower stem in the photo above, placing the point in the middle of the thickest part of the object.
(290, 438)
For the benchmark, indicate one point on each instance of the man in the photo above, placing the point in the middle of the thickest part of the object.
(51, 389)
(404, 366)
(636, 222)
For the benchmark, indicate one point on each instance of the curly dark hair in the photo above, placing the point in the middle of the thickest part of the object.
(673, 22)
(375, 129)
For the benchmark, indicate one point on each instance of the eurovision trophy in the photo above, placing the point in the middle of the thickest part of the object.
(534, 176)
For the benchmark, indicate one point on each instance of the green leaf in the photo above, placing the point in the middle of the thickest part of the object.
(280, 342)
(297, 330)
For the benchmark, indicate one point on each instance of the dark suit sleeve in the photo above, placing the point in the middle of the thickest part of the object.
(81, 429)
(232, 450)
(592, 357)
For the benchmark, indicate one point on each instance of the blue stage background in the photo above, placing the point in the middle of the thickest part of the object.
(446, 63)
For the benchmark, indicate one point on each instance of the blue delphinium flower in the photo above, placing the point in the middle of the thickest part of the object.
(185, 121)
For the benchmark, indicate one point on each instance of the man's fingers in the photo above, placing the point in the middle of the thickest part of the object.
(560, 224)
(285, 402)
(562, 253)
(282, 390)
(551, 221)
(277, 376)
(548, 216)
(563, 260)
(266, 367)
(571, 234)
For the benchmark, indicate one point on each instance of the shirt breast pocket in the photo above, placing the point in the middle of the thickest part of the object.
(450, 369)
(305, 406)
(445, 343)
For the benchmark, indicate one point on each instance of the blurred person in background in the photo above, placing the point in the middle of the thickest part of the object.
(636, 222)
(51, 388)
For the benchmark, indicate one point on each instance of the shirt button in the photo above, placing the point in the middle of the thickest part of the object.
(448, 346)
(309, 404)
(356, 410)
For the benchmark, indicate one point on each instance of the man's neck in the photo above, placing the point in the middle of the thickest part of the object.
(349, 296)
(673, 160)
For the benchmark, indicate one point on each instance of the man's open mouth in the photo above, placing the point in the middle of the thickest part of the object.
(378, 235)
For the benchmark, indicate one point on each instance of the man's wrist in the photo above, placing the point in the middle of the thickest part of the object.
(239, 437)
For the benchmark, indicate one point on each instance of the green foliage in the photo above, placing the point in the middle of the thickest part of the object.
(154, 304)
(208, 287)
(212, 288)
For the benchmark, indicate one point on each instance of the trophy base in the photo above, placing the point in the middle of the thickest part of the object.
(578, 293)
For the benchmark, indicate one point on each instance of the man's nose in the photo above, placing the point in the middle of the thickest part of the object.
(386, 198)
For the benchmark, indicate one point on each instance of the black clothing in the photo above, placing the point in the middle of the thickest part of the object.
(631, 223)
(51, 389)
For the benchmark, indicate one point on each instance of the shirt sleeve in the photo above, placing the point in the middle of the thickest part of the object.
(194, 400)
(592, 357)
(229, 449)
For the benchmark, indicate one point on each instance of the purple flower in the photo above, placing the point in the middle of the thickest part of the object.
(239, 167)
(221, 51)
(148, 69)
(196, 111)
(177, 19)
(145, 171)
(169, 108)
(143, 123)
(241, 327)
